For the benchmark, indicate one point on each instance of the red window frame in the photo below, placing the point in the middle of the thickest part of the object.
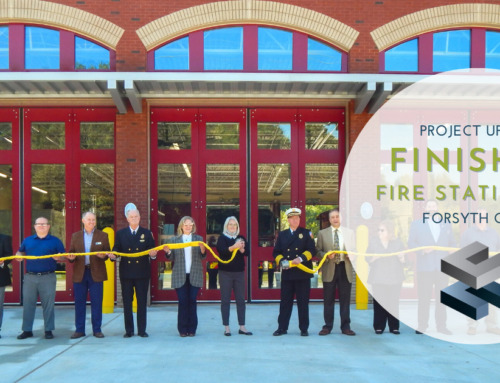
(250, 52)
(425, 49)
(66, 51)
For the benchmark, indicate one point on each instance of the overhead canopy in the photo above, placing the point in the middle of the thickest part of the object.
(369, 90)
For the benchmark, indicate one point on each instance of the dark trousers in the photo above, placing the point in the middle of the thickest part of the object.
(187, 317)
(428, 281)
(141, 291)
(341, 283)
(95, 289)
(232, 281)
(386, 310)
(301, 289)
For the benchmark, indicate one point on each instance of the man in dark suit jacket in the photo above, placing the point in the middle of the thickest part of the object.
(89, 273)
(134, 272)
(429, 275)
(5, 251)
(294, 246)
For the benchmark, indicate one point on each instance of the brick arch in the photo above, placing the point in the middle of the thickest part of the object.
(270, 13)
(61, 16)
(438, 18)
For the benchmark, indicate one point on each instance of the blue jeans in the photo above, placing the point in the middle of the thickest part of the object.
(187, 318)
(96, 290)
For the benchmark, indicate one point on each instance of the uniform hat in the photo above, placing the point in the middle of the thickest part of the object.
(128, 207)
(293, 211)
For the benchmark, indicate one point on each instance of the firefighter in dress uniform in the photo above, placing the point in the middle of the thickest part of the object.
(294, 246)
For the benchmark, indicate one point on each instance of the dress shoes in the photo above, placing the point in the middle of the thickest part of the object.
(25, 334)
(49, 335)
(304, 333)
(348, 332)
(325, 331)
(77, 335)
(144, 335)
(241, 332)
(395, 332)
(191, 334)
(99, 335)
(128, 335)
(279, 332)
(228, 333)
(183, 335)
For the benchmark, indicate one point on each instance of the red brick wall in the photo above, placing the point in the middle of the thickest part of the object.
(132, 173)
(362, 15)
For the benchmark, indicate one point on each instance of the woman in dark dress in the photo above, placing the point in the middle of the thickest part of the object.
(232, 274)
(386, 278)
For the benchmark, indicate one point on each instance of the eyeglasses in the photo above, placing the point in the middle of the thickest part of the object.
(42, 224)
(188, 224)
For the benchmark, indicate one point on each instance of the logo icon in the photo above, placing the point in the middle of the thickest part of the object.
(476, 274)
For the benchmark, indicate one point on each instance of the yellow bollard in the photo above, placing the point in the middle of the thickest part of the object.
(361, 268)
(108, 299)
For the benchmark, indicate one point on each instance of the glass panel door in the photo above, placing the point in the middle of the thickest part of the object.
(297, 161)
(198, 167)
(9, 193)
(69, 169)
(222, 201)
(273, 190)
(48, 199)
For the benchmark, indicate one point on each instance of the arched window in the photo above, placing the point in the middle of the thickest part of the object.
(247, 48)
(41, 48)
(442, 51)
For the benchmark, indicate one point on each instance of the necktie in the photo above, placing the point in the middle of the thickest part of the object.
(336, 245)
(133, 232)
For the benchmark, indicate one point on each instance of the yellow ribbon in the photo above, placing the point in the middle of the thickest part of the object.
(315, 270)
(197, 243)
(131, 255)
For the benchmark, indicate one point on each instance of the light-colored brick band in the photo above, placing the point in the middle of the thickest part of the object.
(61, 16)
(438, 18)
(271, 13)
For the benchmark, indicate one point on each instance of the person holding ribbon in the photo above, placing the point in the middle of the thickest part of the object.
(135, 272)
(294, 246)
(89, 273)
(337, 272)
(187, 275)
(386, 278)
(40, 278)
(232, 274)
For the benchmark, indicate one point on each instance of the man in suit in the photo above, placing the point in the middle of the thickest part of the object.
(337, 272)
(5, 251)
(89, 272)
(294, 246)
(134, 272)
(429, 275)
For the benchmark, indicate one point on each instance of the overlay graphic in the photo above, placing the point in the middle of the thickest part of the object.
(423, 174)
(476, 273)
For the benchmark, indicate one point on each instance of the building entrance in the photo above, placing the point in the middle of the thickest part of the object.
(249, 163)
